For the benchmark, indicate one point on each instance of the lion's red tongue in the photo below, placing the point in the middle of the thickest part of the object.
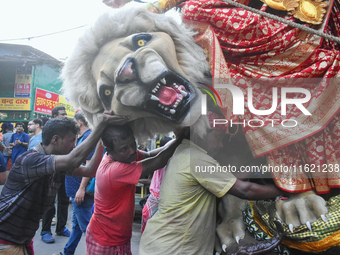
(167, 95)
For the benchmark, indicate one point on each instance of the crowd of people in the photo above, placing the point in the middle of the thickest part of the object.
(63, 155)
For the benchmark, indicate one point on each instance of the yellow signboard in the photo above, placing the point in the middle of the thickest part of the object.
(23, 78)
(68, 107)
(15, 104)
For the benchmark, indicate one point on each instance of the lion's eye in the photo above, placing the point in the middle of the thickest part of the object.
(140, 40)
(105, 94)
(141, 43)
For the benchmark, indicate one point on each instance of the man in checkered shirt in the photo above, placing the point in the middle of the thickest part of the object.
(32, 182)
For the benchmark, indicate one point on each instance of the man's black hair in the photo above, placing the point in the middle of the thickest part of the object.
(56, 109)
(37, 121)
(19, 124)
(58, 127)
(44, 119)
(113, 134)
(79, 116)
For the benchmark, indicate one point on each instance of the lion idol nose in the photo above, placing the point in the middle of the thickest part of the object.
(127, 72)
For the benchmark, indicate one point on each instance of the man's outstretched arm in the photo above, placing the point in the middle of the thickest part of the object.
(151, 164)
(90, 169)
(254, 191)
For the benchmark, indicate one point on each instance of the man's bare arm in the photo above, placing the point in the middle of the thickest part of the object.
(90, 169)
(154, 152)
(80, 194)
(160, 160)
(23, 143)
(253, 191)
(3, 177)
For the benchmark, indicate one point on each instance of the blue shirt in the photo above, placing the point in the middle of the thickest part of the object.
(2, 163)
(35, 140)
(6, 138)
(19, 149)
(72, 183)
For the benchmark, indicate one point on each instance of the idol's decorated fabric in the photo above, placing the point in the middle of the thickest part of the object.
(254, 52)
(315, 161)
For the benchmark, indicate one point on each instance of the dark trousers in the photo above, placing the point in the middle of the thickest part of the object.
(62, 211)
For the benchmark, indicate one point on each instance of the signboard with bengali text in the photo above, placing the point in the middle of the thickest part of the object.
(45, 101)
(63, 101)
(15, 104)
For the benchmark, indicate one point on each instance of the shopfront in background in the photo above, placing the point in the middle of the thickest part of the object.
(27, 98)
(18, 109)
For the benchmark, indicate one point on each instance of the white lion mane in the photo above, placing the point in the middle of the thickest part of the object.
(79, 85)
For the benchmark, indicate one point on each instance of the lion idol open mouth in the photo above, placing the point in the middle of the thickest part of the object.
(170, 96)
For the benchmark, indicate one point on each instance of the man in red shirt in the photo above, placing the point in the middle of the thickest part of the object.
(110, 228)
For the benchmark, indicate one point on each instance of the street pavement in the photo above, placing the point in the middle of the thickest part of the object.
(41, 248)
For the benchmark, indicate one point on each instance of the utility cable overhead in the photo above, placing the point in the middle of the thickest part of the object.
(33, 37)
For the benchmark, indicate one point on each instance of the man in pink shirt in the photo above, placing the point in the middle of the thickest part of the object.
(110, 228)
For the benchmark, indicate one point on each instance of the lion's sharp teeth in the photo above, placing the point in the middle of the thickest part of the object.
(163, 81)
(183, 93)
(172, 111)
(155, 89)
(154, 98)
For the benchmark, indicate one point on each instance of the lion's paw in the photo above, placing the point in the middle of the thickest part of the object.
(301, 209)
(232, 228)
(229, 232)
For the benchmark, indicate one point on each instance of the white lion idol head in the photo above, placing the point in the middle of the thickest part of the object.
(139, 64)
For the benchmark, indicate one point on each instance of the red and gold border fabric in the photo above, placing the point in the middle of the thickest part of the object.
(251, 51)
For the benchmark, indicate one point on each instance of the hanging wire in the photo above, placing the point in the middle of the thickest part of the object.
(38, 36)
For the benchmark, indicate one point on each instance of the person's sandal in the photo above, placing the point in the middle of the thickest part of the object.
(65, 232)
(47, 238)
